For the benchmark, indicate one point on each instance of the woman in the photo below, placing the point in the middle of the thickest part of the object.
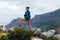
(26, 17)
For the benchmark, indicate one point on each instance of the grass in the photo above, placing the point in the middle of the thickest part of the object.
(3, 34)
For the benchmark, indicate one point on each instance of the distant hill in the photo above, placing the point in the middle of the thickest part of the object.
(45, 21)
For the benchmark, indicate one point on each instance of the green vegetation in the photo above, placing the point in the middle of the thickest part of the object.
(22, 34)
(3, 36)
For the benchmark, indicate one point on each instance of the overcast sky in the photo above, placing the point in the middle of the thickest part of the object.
(11, 9)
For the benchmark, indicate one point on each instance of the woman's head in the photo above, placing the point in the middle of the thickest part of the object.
(27, 8)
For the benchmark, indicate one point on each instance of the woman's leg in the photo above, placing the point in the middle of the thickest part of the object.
(22, 19)
(29, 24)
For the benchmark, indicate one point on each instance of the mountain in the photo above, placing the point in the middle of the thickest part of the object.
(45, 21)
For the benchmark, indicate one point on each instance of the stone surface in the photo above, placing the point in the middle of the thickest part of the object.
(36, 38)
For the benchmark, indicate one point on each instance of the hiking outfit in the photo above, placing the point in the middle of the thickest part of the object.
(27, 15)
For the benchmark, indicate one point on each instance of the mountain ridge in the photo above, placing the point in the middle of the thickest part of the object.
(45, 21)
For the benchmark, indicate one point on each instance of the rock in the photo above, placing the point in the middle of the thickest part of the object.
(38, 30)
(36, 38)
(57, 36)
(49, 33)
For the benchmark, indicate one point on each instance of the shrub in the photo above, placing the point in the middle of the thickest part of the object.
(3, 37)
(20, 34)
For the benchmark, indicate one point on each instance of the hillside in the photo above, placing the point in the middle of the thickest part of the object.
(45, 21)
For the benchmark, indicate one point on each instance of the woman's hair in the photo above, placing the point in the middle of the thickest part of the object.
(27, 7)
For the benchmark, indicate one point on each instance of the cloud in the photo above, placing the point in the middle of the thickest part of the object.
(8, 12)
(11, 9)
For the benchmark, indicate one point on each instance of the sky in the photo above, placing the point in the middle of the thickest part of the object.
(12, 9)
